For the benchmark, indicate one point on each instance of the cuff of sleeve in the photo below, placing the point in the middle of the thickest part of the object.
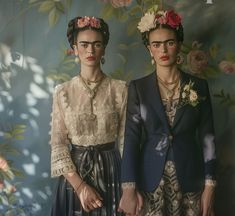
(61, 162)
(62, 170)
(210, 182)
(128, 185)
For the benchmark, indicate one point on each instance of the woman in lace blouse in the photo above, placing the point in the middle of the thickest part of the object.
(170, 112)
(87, 128)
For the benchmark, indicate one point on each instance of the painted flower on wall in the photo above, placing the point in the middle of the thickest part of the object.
(3, 164)
(118, 3)
(228, 67)
(197, 61)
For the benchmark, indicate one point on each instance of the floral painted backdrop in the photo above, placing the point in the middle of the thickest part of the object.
(34, 58)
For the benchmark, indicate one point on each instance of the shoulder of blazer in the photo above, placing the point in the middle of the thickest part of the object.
(193, 78)
(198, 82)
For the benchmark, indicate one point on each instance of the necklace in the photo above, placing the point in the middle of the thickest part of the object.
(89, 82)
(168, 83)
(170, 89)
(92, 91)
(92, 94)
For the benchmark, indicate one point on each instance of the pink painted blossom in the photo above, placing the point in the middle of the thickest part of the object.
(12, 189)
(197, 61)
(1, 185)
(3, 164)
(227, 67)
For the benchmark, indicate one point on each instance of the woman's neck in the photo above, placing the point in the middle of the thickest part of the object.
(90, 73)
(167, 74)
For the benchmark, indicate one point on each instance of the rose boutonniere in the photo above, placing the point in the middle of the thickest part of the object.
(189, 96)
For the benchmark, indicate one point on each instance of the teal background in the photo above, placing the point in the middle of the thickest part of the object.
(33, 60)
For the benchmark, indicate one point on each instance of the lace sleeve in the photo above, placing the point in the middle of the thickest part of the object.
(61, 162)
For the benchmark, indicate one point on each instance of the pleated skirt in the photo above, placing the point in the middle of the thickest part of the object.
(100, 167)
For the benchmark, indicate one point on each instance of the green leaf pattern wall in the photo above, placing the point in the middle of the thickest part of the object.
(34, 58)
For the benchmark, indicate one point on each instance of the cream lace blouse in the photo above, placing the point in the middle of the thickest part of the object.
(78, 120)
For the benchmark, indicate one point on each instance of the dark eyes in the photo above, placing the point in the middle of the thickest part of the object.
(95, 45)
(168, 43)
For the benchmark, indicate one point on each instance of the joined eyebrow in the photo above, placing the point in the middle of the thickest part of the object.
(87, 42)
(163, 41)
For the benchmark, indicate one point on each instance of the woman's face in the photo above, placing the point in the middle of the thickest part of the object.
(89, 47)
(163, 46)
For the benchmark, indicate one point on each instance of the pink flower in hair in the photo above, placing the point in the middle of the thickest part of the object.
(88, 21)
(161, 20)
(151, 19)
(94, 22)
(161, 17)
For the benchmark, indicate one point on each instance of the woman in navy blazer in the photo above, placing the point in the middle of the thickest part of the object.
(169, 151)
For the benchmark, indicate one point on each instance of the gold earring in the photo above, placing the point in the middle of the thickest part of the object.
(102, 60)
(152, 60)
(180, 59)
(76, 60)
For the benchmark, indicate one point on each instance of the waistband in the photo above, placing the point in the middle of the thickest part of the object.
(99, 147)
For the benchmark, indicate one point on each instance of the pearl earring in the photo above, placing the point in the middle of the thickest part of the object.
(152, 60)
(77, 60)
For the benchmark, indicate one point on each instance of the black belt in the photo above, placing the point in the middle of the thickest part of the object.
(92, 162)
(99, 147)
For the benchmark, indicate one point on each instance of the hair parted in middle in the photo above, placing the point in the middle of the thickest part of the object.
(78, 24)
(160, 19)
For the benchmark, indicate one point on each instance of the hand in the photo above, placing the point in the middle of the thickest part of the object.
(131, 202)
(207, 201)
(89, 197)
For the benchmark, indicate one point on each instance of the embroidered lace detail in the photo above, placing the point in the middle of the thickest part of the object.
(75, 120)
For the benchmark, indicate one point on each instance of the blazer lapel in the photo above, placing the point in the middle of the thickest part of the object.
(156, 101)
(180, 111)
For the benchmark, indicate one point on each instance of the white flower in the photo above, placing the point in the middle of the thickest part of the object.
(186, 88)
(193, 96)
(189, 96)
(147, 22)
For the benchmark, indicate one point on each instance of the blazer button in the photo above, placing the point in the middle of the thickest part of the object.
(170, 137)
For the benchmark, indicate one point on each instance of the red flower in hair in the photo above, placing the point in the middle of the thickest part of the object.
(173, 19)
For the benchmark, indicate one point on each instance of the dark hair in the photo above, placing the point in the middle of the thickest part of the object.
(179, 33)
(73, 30)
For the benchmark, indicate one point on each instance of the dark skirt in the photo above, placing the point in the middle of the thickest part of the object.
(100, 167)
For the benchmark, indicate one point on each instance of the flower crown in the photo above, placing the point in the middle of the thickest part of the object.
(88, 21)
(150, 20)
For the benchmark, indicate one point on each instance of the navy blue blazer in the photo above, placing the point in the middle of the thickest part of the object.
(148, 136)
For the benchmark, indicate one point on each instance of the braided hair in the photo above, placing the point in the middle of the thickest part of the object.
(73, 30)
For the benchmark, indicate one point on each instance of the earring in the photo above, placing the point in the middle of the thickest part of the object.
(152, 60)
(180, 59)
(102, 60)
(76, 60)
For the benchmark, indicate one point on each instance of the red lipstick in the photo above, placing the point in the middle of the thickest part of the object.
(164, 58)
(91, 58)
